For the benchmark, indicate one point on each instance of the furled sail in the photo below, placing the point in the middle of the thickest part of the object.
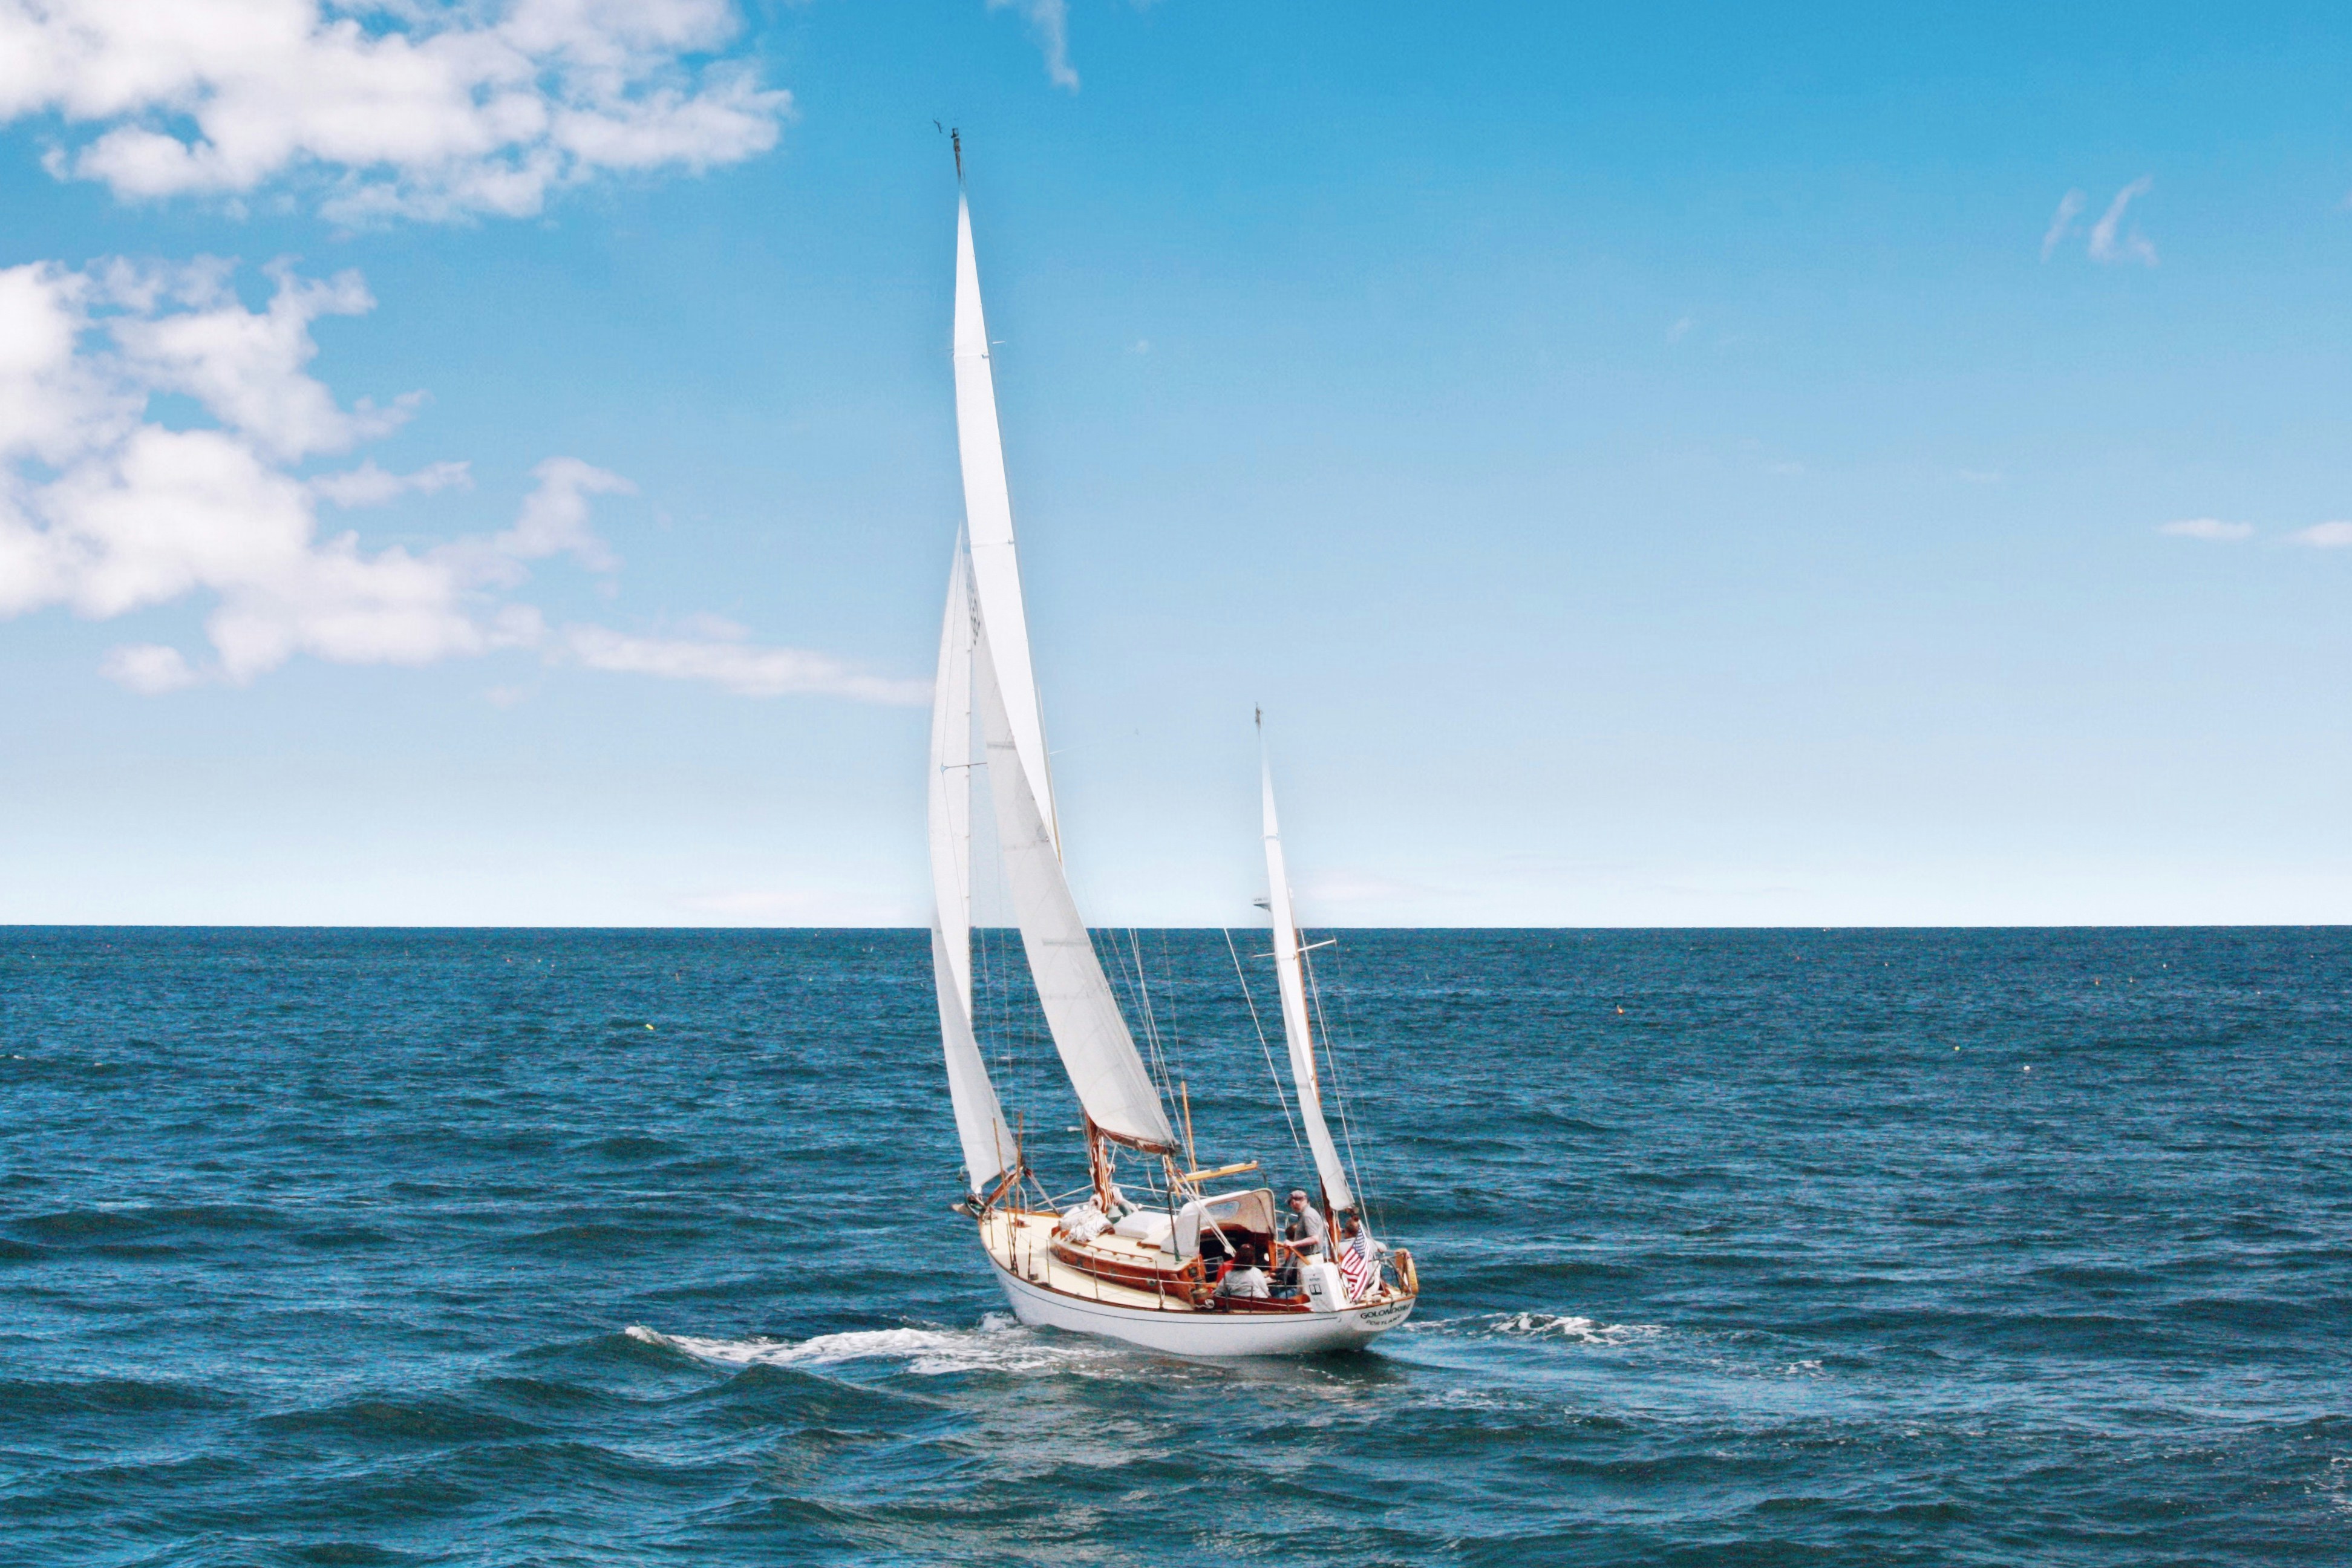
(1081, 1013)
(1289, 968)
(988, 1149)
(988, 517)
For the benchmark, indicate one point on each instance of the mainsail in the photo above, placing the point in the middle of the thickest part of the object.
(988, 1151)
(1289, 968)
(984, 661)
(1081, 1013)
(988, 515)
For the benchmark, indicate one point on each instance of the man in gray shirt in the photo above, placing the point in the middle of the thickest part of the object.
(1306, 1231)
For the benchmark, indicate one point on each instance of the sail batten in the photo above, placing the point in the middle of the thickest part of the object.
(988, 1149)
(988, 520)
(1290, 973)
(1090, 1033)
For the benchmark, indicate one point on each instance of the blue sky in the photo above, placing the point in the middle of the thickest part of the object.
(1673, 467)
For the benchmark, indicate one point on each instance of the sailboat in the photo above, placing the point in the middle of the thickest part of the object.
(1191, 1261)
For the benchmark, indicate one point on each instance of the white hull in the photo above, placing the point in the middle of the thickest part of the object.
(1204, 1333)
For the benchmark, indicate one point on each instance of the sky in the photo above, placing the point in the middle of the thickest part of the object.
(494, 464)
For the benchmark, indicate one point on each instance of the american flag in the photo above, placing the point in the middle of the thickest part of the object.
(1358, 1269)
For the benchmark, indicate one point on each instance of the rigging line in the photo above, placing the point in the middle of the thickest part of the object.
(1167, 968)
(1347, 1026)
(1126, 1004)
(1339, 1089)
(1296, 1143)
(1172, 1041)
(1133, 1007)
(1150, 1018)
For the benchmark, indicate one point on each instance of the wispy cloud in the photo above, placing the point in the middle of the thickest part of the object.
(2325, 535)
(368, 485)
(1050, 20)
(2070, 207)
(2209, 528)
(721, 655)
(106, 510)
(2109, 242)
(1681, 329)
(149, 669)
(422, 108)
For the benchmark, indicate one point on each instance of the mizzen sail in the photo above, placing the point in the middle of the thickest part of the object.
(988, 1151)
(1290, 970)
(1081, 1013)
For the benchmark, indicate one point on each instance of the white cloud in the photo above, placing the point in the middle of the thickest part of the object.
(2108, 243)
(428, 108)
(2325, 535)
(368, 485)
(554, 520)
(1050, 20)
(716, 654)
(149, 669)
(105, 511)
(2209, 528)
(1681, 329)
(2070, 207)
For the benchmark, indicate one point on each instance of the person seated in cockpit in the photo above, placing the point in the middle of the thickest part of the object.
(1245, 1277)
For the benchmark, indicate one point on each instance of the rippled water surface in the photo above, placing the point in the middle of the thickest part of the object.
(610, 1248)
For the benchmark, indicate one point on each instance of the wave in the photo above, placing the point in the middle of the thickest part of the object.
(1560, 1326)
(998, 1344)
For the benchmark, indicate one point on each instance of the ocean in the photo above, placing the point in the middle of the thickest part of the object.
(608, 1248)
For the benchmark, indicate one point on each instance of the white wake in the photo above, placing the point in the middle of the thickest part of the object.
(1564, 1326)
(998, 1344)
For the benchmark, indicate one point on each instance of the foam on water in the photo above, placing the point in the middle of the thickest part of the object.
(1556, 1326)
(998, 1344)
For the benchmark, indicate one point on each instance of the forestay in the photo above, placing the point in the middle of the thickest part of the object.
(1081, 1013)
(988, 1151)
(1289, 970)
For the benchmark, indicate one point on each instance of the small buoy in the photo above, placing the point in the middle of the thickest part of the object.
(1621, 1009)
(2029, 1069)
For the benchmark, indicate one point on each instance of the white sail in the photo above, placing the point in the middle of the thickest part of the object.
(987, 518)
(980, 1122)
(1081, 1013)
(1289, 970)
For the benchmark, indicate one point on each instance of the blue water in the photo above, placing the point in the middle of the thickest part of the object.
(618, 1248)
